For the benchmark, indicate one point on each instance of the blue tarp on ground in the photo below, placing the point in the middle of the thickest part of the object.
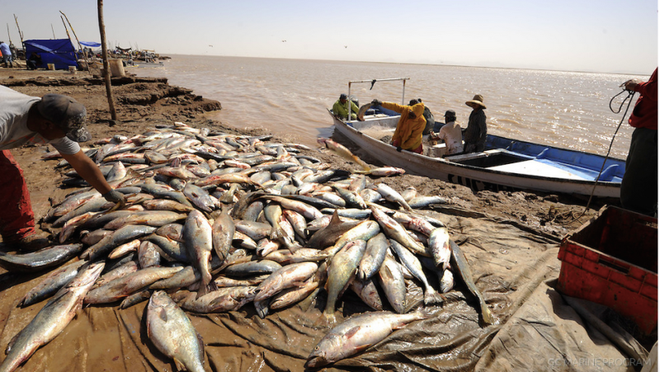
(59, 52)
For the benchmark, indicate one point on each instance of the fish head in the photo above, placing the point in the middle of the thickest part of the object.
(317, 359)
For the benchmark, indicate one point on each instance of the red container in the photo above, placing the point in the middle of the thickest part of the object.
(613, 261)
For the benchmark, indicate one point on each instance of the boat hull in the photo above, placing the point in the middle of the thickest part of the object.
(471, 176)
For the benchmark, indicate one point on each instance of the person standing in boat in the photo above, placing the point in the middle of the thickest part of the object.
(408, 133)
(475, 134)
(639, 187)
(340, 108)
(451, 134)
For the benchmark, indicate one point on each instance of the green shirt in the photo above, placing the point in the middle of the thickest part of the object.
(342, 110)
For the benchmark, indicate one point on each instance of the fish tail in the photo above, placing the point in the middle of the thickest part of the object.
(432, 297)
(486, 314)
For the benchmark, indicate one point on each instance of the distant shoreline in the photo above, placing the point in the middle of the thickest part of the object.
(427, 64)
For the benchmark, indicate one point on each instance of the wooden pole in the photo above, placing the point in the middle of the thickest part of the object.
(106, 64)
(20, 34)
(52, 29)
(80, 47)
(8, 34)
(67, 30)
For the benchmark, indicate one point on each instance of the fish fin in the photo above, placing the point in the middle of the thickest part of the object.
(179, 366)
(485, 313)
(12, 342)
(163, 315)
(335, 219)
(352, 332)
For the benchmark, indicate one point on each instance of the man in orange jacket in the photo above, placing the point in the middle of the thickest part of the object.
(408, 133)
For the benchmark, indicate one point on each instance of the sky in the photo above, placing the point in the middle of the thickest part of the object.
(577, 35)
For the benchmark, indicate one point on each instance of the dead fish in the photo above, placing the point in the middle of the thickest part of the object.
(373, 257)
(383, 171)
(124, 249)
(170, 330)
(392, 195)
(120, 236)
(440, 247)
(148, 218)
(221, 300)
(51, 284)
(356, 334)
(148, 254)
(51, 319)
(393, 283)
(460, 263)
(288, 276)
(199, 197)
(363, 110)
(447, 281)
(424, 201)
(128, 284)
(408, 259)
(368, 293)
(223, 231)
(252, 268)
(341, 272)
(292, 296)
(365, 230)
(197, 238)
(409, 193)
(166, 205)
(39, 260)
(342, 152)
(394, 230)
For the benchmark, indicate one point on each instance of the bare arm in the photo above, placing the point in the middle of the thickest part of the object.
(88, 171)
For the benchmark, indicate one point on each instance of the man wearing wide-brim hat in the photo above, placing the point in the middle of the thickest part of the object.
(54, 119)
(475, 134)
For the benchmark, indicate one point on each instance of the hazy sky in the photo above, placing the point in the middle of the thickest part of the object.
(574, 35)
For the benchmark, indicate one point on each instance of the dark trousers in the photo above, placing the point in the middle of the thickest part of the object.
(639, 187)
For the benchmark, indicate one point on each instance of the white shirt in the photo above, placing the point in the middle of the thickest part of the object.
(14, 132)
(451, 134)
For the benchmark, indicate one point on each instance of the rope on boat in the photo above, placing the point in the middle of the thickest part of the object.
(629, 99)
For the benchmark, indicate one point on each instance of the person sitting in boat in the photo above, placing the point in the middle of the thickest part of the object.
(475, 134)
(451, 134)
(408, 133)
(340, 108)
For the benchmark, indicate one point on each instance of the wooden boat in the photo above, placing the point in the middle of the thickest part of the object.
(506, 164)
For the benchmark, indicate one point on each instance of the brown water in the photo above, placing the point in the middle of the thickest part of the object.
(564, 109)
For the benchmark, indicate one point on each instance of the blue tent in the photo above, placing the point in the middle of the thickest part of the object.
(59, 52)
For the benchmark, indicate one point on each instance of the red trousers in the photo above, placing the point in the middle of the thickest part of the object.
(16, 216)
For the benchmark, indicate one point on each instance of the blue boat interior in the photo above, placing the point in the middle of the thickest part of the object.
(583, 165)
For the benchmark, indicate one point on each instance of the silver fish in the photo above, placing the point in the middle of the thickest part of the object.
(51, 319)
(356, 334)
(171, 331)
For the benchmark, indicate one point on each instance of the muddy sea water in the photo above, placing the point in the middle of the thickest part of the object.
(291, 97)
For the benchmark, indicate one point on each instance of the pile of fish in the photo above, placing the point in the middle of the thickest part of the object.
(214, 222)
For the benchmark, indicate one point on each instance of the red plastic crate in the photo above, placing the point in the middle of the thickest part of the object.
(613, 261)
